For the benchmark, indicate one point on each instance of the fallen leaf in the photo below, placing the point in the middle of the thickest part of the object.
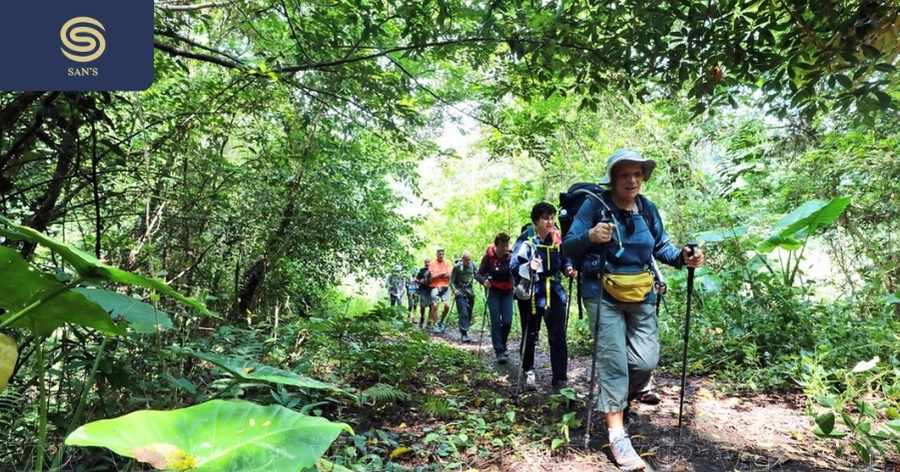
(399, 452)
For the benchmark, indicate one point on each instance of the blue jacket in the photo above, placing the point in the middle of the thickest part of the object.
(549, 276)
(637, 249)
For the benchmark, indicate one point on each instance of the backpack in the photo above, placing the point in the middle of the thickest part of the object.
(570, 202)
(424, 278)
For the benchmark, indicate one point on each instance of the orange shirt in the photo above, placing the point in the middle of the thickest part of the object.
(440, 273)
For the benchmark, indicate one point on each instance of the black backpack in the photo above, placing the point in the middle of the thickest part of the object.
(570, 202)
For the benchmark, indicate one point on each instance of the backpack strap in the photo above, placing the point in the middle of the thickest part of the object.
(612, 215)
(648, 215)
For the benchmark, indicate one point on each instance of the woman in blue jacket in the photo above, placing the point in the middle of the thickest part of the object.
(537, 258)
(617, 237)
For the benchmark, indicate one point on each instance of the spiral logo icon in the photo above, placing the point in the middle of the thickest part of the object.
(82, 39)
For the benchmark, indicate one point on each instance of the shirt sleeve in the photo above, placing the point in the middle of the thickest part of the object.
(663, 249)
(482, 274)
(454, 274)
(518, 258)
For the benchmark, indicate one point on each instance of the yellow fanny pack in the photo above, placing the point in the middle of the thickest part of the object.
(628, 288)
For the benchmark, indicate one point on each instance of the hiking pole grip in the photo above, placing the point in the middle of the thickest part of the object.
(690, 248)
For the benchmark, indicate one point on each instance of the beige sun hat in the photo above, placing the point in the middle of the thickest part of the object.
(627, 156)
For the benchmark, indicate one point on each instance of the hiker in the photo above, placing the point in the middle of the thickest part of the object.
(423, 280)
(537, 264)
(396, 285)
(494, 274)
(412, 296)
(461, 284)
(439, 270)
(617, 239)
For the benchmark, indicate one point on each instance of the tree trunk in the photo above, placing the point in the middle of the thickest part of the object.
(45, 207)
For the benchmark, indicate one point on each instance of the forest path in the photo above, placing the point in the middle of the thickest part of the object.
(722, 432)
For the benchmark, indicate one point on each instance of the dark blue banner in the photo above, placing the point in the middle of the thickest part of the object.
(76, 45)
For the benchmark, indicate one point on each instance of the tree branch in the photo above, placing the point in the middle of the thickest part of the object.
(176, 36)
(439, 98)
(382, 53)
(194, 7)
(200, 57)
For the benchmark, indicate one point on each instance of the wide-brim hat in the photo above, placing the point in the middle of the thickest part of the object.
(629, 156)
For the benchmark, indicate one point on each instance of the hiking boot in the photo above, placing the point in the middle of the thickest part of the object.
(625, 455)
(466, 338)
(502, 358)
(649, 397)
(530, 380)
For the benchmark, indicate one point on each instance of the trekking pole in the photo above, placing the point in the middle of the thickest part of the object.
(578, 286)
(691, 247)
(568, 307)
(483, 317)
(593, 383)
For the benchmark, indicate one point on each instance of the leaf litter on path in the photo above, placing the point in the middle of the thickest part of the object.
(722, 432)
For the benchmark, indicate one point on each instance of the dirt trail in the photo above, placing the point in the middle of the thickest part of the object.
(762, 432)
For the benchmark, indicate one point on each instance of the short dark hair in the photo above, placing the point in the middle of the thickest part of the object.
(501, 239)
(541, 210)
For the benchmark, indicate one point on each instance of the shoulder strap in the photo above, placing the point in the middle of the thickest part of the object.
(648, 215)
(612, 214)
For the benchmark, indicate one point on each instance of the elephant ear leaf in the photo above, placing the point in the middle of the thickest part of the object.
(91, 268)
(252, 371)
(31, 286)
(805, 220)
(142, 317)
(215, 436)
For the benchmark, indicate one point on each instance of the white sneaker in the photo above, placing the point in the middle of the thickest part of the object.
(530, 380)
(625, 455)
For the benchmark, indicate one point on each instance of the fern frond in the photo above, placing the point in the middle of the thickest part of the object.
(384, 393)
(438, 407)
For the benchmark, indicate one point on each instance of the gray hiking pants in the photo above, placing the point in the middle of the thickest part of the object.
(627, 350)
(464, 304)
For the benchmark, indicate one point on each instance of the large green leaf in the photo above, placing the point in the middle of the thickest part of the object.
(218, 435)
(89, 267)
(804, 221)
(251, 371)
(717, 235)
(21, 286)
(143, 317)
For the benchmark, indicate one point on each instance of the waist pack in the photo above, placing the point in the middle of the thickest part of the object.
(628, 288)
